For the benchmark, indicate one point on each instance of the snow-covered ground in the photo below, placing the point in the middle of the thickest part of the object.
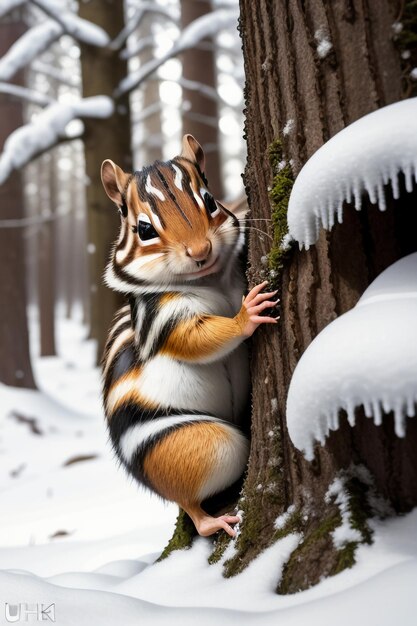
(76, 533)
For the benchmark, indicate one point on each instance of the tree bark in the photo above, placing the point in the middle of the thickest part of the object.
(46, 256)
(102, 70)
(152, 138)
(201, 120)
(287, 79)
(290, 85)
(15, 365)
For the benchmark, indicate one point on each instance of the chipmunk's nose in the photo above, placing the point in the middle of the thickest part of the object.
(199, 252)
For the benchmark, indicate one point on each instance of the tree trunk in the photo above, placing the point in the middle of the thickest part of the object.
(201, 118)
(293, 85)
(15, 365)
(102, 70)
(46, 256)
(152, 138)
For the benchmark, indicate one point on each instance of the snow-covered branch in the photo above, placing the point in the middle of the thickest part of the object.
(8, 5)
(77, 27)
(47, 130)
(36, 220)
(28, 95)
(205, 26)
(205, 90)
(134, 21)
(57, 74)
(140, 46)
(30, 45)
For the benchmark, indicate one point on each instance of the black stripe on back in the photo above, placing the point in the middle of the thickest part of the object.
(129, 415)
(123, 362)
(151, 301)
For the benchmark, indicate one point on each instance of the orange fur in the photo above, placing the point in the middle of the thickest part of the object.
(179, 465)
(203, 336)
(126, 389)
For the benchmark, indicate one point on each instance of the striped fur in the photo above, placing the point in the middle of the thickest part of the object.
(175, 374)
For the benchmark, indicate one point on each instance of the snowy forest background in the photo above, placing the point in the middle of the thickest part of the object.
(125, 86)
(84, 81)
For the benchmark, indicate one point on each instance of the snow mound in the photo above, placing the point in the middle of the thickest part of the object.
(364, 156)
(367, 357)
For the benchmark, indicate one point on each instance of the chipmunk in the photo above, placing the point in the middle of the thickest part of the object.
(175, 368)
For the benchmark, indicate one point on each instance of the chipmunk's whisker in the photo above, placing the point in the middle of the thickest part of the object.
(248, 227)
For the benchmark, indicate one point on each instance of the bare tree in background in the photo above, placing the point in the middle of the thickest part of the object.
(15, 365)
(200, 117)
(101, 73)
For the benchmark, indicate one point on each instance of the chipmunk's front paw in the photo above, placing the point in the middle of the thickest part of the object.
(253, 305)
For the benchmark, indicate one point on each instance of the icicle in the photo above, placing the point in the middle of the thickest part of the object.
(408, 174)
(334, 419)
(399, 420)
(381, 198)
(367, 408)
(411, 406)
(351, 413)
(331, 217)
(386, 404)
(357, 195)
(324, 216)
(340, 213)
(394, 184)
(378, 372)
(363, 157)
(376, 410)
(371, 191)
(408, 178)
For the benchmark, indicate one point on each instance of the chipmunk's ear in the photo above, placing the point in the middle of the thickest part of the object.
(114, 181)
(192, 150)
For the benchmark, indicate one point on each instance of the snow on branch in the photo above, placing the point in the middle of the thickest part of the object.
(205, 26)
(22, 93)
(30, 45)
(77, 27)
(364, 156)
(134, 21)
(8, 5)
(47, 130)
(365, 358)
(61, 76)
(143, 44)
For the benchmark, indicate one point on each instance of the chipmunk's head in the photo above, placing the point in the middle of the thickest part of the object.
(172, 229)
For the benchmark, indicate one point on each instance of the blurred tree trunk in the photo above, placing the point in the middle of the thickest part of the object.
(201, 115)
(47, 198)
(313, 93)
(152, 139)
(15, 365)
(102, 70)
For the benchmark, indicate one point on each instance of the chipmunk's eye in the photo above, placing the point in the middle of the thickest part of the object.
(147, 233)
(210, 203)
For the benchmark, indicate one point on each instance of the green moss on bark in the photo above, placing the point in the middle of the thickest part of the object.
(405, 38)
(182, 537)
(317, 545)
(279, 195)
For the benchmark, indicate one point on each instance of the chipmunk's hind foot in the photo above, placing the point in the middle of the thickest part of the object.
(207, 525)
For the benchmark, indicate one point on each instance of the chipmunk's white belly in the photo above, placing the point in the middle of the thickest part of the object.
(218, 388)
